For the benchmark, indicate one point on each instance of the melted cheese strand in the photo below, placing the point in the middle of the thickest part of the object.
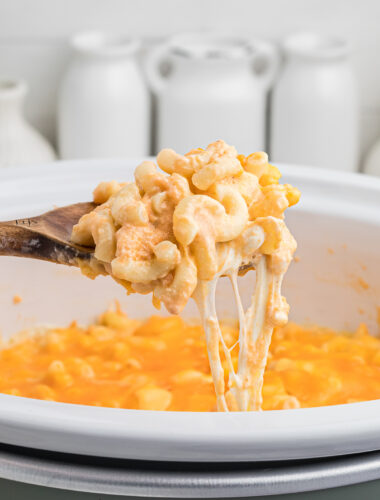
(212, 305)
(255, 332)
(239, 392)
(211, 326)
(255, 316)
(261, 331)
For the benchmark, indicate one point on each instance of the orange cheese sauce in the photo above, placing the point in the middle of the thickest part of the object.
(162, 364)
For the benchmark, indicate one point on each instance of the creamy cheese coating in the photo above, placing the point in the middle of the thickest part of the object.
(210, 213)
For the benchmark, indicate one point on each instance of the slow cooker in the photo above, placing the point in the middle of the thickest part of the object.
(195, 455)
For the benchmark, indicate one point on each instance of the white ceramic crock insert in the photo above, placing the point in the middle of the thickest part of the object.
(337, 226)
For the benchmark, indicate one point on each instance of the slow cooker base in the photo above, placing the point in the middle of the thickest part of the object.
(132, 478)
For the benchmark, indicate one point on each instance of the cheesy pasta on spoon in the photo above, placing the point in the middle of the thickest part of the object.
(173, 232)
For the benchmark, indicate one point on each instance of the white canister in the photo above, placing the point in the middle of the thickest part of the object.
(20, 143)
(314, 119)
(212, 91)
(103, 108)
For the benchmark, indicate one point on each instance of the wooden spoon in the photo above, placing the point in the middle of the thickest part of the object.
(47, 236)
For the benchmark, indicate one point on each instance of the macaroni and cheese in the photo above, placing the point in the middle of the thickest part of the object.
(174, 232)
(161, 364)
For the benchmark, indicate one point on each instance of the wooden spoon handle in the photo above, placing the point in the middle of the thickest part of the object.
(46, 236)
(21, 238)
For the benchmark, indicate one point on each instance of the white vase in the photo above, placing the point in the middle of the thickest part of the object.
(212, 91)
(20, 143)
(372, 161)
(103, 107)
(315, 105)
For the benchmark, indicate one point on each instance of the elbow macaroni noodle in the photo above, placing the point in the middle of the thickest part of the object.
(174, 232)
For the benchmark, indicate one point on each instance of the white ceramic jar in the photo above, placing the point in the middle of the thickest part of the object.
(20, 143)
(212, 91)
(314, 118)
(103, 108)
(372, 161)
